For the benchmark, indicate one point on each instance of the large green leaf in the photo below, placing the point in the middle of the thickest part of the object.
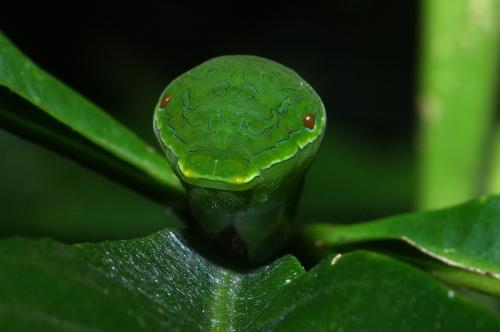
(465, 236)
(158, 283)
(48, 112)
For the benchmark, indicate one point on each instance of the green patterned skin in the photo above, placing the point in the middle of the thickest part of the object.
(240, 132)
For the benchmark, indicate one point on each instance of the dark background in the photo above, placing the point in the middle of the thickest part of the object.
(361, 56)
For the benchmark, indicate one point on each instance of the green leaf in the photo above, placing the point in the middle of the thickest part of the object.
(459, 67)
(158, 283)
(465, 236)
(48, 112)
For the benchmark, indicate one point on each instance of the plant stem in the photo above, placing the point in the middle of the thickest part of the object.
(457, 75)
(494, 183)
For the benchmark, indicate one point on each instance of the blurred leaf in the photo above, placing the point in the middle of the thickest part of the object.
(466, 236)
(458, 71)
(45, 194)
(69, 123)
(159, 283)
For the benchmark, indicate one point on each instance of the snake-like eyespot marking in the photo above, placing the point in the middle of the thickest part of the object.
(309, 121)
(164, 101)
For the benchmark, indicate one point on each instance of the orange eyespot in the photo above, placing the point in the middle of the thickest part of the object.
(164, 101)
(309, 121)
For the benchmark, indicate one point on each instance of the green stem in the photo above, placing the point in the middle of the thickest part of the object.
(324, 235)
(457, 87)
(461, 278)
(494, 181)
(454, 276)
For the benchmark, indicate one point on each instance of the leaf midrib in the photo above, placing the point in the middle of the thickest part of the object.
(224, 297)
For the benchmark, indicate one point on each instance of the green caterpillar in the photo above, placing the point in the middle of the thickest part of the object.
(240, 132)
